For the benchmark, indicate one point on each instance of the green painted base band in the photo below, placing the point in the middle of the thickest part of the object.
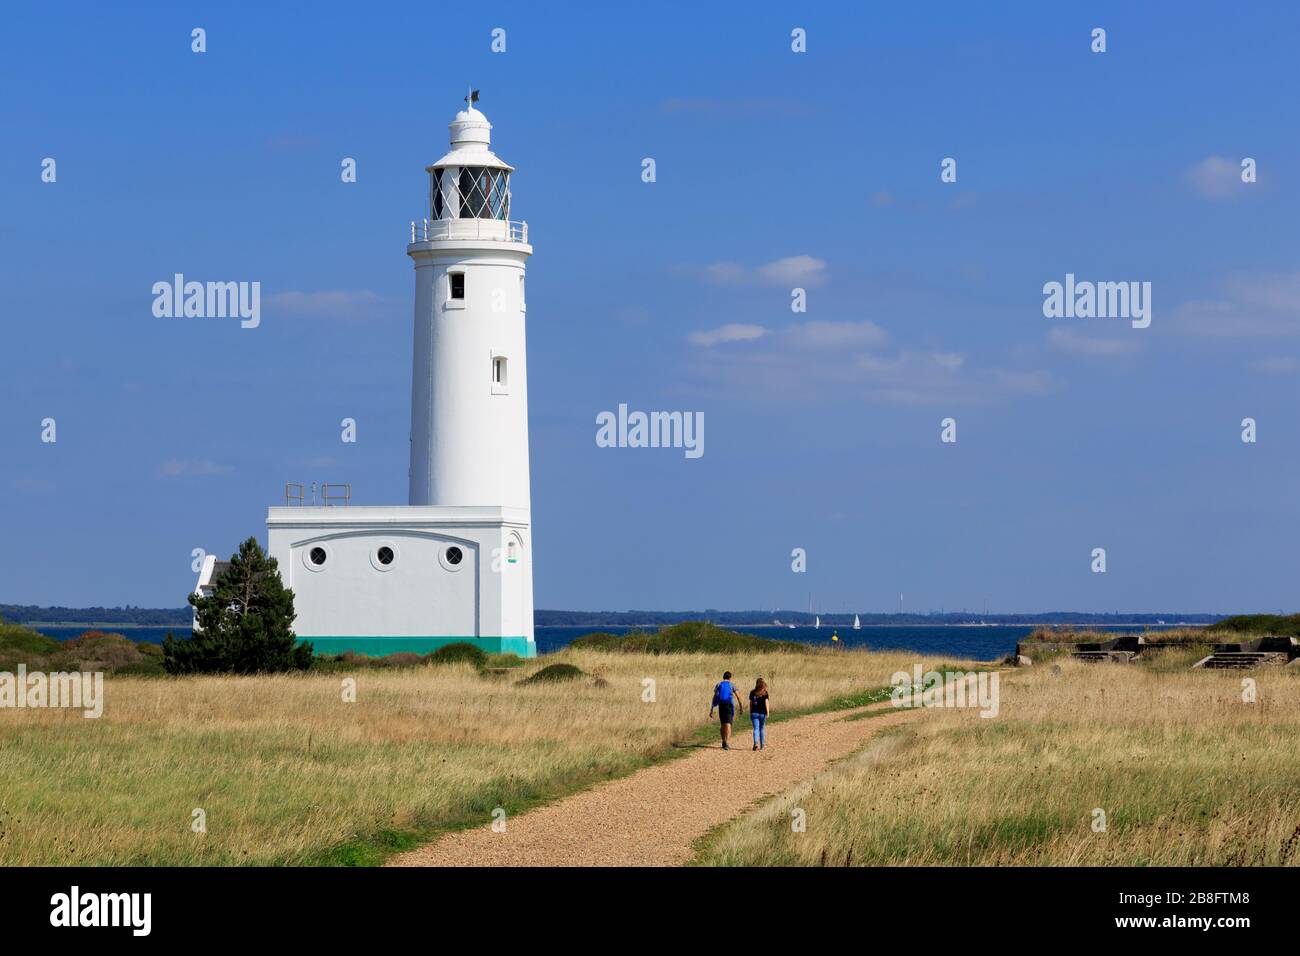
(379, 646)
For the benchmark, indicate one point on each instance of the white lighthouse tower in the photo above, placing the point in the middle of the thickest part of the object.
(455, 563)
(469, 392)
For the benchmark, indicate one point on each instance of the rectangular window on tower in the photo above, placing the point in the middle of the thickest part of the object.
(499, 381)
(457, 285)
(523, 301)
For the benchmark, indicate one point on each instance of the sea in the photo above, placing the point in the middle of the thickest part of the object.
(972, 642)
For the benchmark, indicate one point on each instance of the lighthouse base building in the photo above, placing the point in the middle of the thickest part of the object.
(455, 563)
(378, 580)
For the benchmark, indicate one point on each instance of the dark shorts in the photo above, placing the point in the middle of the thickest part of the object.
(726, 713)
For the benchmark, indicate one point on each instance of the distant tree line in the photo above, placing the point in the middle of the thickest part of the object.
(143, 616)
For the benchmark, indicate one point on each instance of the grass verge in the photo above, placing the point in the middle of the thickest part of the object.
(289, 770)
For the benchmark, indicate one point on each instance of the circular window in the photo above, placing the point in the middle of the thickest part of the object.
(315, 557)
(384, 556)
(452, 557)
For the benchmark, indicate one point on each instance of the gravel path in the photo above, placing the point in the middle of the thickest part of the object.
(652, 817)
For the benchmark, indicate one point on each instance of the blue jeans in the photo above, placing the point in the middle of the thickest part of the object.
(760, 723)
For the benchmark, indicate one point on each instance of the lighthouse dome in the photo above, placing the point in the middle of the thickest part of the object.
(470, 126)
(471, 135)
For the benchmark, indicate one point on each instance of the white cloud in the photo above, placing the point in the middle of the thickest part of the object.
(843, 361)
(835, 335)
(731, 332)
(815, 335)
(1068, 340)
(1024, 381)
(192, 467)
(1216, 177)
(1229, 319)
(1278, 292)
(790, 271)
(794, 269)
(724, 273)
(1259, 305)
(339, 304)
(1276, 364)
(949, 360)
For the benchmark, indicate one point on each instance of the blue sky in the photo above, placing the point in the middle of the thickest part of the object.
(774, 170)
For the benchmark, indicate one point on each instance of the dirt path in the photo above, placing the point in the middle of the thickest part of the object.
(652, 817)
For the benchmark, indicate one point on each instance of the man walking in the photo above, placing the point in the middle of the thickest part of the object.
(723, 695)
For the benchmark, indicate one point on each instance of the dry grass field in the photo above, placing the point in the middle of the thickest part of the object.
(1186, 773)
(287, 772)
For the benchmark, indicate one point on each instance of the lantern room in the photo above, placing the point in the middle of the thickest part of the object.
(469, 182)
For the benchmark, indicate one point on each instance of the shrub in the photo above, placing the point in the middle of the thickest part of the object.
(1178, 636)
(553, 673)
(400, 659)
(146, 667)
(88, 651)
(1281, 625)
(459, 653)
(23, 644)
(97, 651)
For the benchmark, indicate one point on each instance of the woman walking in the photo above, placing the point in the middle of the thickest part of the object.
(758, 712)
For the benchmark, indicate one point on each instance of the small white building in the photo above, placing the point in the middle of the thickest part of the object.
(455, 563)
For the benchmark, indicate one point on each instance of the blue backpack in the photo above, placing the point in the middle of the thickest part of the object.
(719, 695)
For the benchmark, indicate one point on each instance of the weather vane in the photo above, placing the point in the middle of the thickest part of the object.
(472, 98)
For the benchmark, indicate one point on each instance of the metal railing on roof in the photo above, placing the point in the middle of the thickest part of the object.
(295, 494)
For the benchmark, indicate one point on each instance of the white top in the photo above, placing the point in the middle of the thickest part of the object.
(471, 135)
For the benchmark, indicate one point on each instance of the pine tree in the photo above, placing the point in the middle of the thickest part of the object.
(245, 626)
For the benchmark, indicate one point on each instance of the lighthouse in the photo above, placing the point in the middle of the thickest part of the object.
(454, 564)
(469, 390)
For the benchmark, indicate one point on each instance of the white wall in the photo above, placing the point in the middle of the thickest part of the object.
(419, 594)
(352, 594)
(469, 441)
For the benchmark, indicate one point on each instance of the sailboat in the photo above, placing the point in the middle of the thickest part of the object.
(817, 622)
(857, 624)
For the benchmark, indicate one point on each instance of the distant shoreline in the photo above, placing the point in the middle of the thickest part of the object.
(109, 625)
(102, 625)
(850, 627)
